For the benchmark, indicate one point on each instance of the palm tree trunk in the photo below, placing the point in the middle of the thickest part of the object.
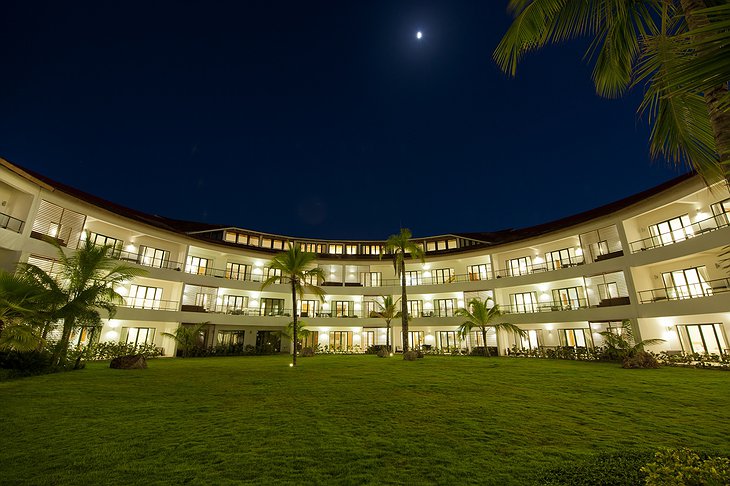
(59, 354)
(387, 335)
(404, 305)
(484, 337)
(294, 313)
(77, 365)
(719, 119)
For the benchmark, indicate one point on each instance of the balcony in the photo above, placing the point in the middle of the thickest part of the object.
(681, 292)
(695, 229)
(549, 306)
(541, 267)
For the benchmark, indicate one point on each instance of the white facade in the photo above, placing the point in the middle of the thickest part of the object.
(652, 260)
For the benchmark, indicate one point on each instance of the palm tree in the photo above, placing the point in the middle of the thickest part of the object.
(85, 284)
(388, 311)
(678, 48)
(296, 265)
(302, 332)
(187, 337)
(479, 315)
(398, 246)
(622, 344)
(25, 312)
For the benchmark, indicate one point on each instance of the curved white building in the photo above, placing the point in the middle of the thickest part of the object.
(652, 258)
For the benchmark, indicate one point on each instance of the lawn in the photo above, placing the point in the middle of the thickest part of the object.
(347, 420)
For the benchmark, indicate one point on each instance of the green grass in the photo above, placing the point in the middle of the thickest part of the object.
(347, 420)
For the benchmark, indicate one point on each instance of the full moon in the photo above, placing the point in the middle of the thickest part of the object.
(419, 34)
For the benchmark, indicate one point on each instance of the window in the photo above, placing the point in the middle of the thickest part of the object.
(415, 308)
(153, 257)
(532, 340)
(702, 338)
(442, 275)
(721, 210)
(448, 340)
(138, 335)
(141, 297)
(368, 339)
(235, 304)
(371, 279)
(671, 231)
(231, 237)
(341, 340)
(335, 249)
(272, 307)
(430, 246)
(196, 265)
(479, 272)
(608, 290)
(567, 299)
(573, 337)
(519, 266)
(415, 339)
(102, 240)
(477, 339)
(687, 283)
(342, 308)
(265, 242)
(524, 302)
(236, 271)
(444, 307)
(566, 257)
(278, 245)
(310, 340)
(351, 249)
(64, 225)
(48, 265)
(371, 249)
(413, 278)
(272, 272)
(204, 300)
(230, 338)
(307, 308)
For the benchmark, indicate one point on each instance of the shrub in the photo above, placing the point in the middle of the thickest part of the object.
(383, 353)
(616, 469)
(641, 359)
(376, 348)
(307, 352)
(26, 363)
(684, 467)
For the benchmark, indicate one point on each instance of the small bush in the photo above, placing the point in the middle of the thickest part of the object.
(383, 353)
(642, 359)
(306, 352)
(410, 355)
(376, 349)
(684, 467)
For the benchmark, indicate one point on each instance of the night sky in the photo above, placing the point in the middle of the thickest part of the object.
(315, 119)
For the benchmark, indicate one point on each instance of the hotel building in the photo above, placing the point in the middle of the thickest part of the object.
(652, 258)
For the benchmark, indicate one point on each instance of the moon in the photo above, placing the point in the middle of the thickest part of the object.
(419, 34)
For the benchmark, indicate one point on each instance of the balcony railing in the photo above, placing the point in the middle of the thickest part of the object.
(11, 223)
(681, 292)
(550, 306)
(132, 257)
(152, 304)
(540, 267)
(675, 236)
